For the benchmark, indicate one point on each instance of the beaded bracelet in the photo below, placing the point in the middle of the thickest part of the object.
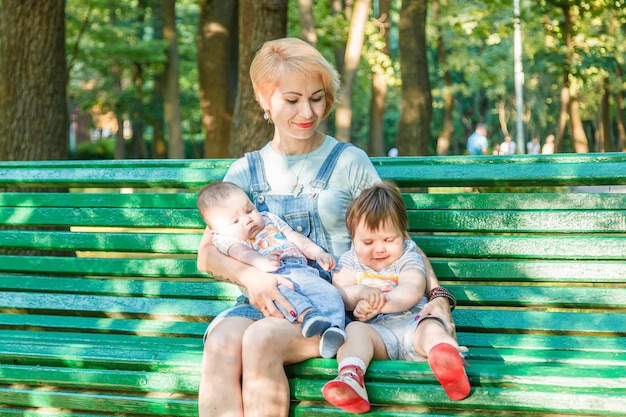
(442, 292)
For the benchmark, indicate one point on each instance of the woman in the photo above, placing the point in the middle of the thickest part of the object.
(309, 179)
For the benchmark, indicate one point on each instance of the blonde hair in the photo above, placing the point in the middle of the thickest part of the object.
(283, 56)
(376, 206)
(213, 195)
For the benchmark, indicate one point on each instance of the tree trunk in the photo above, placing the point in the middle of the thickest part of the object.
(445, 136)
(414, 128)
(621, 118)
(606, 142)
(159, 146)
(259, 21)
(33, 104)
(307, 21)
(376, 143)
(581, 145)
(176, 148)
(217, 69)
(337, 7)
(356, 37)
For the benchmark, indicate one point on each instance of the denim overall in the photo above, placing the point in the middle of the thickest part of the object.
(301, 213)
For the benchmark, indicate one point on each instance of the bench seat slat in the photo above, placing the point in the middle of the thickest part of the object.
(483, 397)
(138, 404)
(581, 271)
(540, 296)
(497, 172)
(102, 217)
(524, 321)
(138, 200)
(516, 201)
(177, 243)
(594, 247)
(89, 303)
(208, 289)
(129, 356)
(494, 221)
(129, 267)
(104, 325)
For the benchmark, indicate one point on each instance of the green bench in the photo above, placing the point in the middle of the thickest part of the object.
(102, 308)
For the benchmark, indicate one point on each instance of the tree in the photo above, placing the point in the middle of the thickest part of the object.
(175, 149)
(414, 128)
(356, 37)
(259, 21)
(217, 70)
(33, 80)
(376, 143)
(445, 136)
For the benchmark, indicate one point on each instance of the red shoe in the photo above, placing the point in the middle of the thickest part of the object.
(347, 391)
(447, 365)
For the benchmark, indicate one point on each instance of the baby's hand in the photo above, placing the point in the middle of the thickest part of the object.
(268, 263)
(326, 261)
(364, 311)
(374, 296)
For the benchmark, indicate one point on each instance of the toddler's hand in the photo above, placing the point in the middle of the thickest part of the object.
(374, 296)
(365, 311)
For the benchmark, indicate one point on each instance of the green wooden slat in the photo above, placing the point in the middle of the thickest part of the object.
(579, 271)
(542, 247)
(526, 356)
(523, 170)
(111, 200)
(130, 356)
(148, 288)
(101, 241)
(109, 304)
(102, 379)
(589, 169)
(29, 337)
(541, 322)
(545, 296)
(131, 267)
(106, 325)
(516, 201)
(557, 221)
(41, 412)
(102, 217)
(541, 343)
(91, 401)
(504, 399)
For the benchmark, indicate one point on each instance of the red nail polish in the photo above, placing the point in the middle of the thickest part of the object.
(416, 318)
(293, 313)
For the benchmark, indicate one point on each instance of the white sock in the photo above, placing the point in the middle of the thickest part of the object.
(353, 361)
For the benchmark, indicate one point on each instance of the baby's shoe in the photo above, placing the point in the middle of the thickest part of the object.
(330, 342)
(314, 323)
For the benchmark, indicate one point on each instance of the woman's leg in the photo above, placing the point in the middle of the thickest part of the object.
(268, 345)
(220, 382)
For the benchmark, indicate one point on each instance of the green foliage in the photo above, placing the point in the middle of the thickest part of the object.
(105, 38)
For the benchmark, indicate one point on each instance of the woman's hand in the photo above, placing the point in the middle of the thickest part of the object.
(263, 292)
(440, 307)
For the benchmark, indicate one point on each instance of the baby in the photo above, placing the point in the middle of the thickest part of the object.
(265, 241)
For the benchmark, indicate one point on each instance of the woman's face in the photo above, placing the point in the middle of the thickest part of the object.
(297, 106)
